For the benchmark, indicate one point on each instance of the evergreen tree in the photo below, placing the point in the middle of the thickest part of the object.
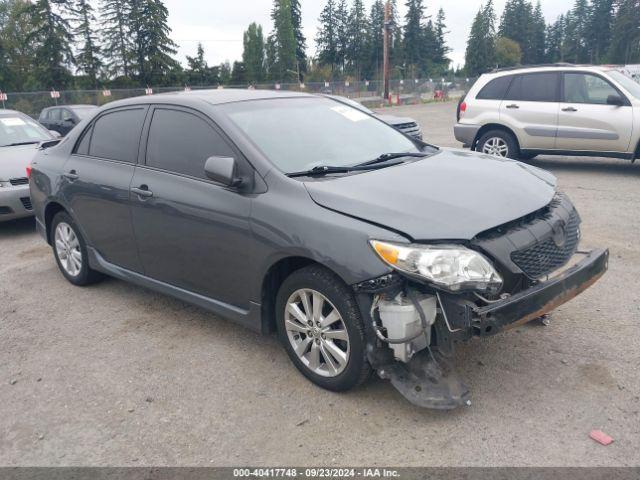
(51, 34)
(517, 23)
(441, 49)
(285, 65)
(238, 74)
(199, 73)
(413, 39)
(301, 41)
(375, 41)
(16, 58)
(88, 58)
(327, 37)
(577, 33)
(599, 31)
(153, 47)
(537, 50)
(225, 72)
(115, 33)
(342, 33)
(480, 54)
(625, 41)
(253, 56)
(555, 40)
(358, 28)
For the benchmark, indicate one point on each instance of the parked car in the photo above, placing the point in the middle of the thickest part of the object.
(552, 110)
(19, 139)
(406, 125)
(365, 249)
(63, 118)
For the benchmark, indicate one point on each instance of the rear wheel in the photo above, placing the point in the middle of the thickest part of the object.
(320, 326)
(70, 251)
(499, 143)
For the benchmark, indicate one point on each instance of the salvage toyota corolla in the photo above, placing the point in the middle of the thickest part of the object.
(365, 249)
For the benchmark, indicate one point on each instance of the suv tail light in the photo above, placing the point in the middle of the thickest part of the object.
(462, 107)
(29, 171)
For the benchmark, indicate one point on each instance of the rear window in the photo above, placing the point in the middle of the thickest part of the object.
(534, 87)
(495, 89)
(116, 135)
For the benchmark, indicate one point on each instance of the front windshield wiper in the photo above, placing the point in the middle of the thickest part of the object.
(326, 169)
(385, 157)
(16, 144)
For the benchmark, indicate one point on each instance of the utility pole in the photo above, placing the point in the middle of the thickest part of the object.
(388, 23)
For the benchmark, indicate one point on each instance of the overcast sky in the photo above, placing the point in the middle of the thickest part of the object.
(219, 24)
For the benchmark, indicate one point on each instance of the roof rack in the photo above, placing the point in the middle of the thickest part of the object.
(539, 65)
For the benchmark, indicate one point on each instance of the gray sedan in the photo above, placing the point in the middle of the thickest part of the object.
(19, 139)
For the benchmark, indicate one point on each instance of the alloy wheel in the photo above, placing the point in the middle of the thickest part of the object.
(496, 146)
(68, 249)
(317, 332)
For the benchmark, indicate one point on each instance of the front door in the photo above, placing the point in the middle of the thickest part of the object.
(97, 180)
(191, 233)
(586, 121)
(530, 108)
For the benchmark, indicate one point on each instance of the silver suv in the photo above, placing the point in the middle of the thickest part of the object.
(552, 110)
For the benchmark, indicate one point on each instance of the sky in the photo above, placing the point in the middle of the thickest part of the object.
(219, 24)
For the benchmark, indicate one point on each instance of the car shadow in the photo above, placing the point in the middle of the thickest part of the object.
(578, 164)
(18, 228)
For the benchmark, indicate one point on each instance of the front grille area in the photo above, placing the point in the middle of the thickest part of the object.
(19, 181)
(543, 258)
(26, 203)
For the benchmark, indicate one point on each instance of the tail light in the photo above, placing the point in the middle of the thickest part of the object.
(463, 108)
(29, 171)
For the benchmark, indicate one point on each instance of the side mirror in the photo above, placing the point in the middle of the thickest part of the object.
(55, 134)
(222, 170)
(615, 100)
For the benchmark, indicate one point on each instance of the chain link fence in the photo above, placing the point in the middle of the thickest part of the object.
(367, 92)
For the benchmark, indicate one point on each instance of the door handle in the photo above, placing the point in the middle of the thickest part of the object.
(569, 109)
(71, 175)
(513, 105)
(142, 191)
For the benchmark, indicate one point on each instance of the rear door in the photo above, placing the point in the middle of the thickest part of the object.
(192, 233)
(586, 121)
(97, 179)
(530, 109)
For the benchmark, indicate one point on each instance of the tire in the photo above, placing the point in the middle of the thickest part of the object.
(336, 296)
(494, 137)
(66, 237)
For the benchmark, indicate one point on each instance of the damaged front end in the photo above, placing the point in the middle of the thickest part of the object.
(413, 324)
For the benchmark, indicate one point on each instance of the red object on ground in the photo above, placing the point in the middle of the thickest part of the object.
(601, 437)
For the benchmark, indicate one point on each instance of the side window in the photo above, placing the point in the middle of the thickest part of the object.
(534, 87)
(182, 142)
(116, 135)
(66, 114)
(587, 88)
(495, 89)
(54, 114)
(82, 148)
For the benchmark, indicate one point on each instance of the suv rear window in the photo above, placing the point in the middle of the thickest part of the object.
(495, 89)
(535, 87)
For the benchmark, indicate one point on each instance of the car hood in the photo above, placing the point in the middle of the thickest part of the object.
(393, 120)
(14, 160)
(453, 195)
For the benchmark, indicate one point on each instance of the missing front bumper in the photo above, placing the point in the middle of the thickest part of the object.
(541, 298)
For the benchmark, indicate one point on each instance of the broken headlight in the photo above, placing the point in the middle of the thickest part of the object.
(451, 267)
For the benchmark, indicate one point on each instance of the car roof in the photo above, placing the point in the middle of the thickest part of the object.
(6, 111)
(213, 97)
(547, 68)
(79, 105)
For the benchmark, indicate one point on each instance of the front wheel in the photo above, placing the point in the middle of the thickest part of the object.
(320, 326)
(499, 143)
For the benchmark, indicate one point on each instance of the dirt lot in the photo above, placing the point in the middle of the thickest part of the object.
(117, 375)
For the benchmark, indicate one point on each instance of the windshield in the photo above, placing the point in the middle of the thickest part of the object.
(302, 133)
(629, 84)
(16, 129)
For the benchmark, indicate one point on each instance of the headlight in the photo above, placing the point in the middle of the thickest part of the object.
(451, 267)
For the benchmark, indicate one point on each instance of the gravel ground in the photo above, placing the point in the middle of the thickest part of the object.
(117, 375)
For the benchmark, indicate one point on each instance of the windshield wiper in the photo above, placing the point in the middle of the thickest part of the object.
(326, 169)
(20, 143)
(385, 157)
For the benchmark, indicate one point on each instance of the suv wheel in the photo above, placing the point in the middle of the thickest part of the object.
(498, 143)
(320, 326)
(70, 251)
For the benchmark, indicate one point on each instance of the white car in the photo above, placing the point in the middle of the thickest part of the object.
(19, 139)
(552, 110)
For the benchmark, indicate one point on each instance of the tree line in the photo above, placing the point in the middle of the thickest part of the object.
(592, 31)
